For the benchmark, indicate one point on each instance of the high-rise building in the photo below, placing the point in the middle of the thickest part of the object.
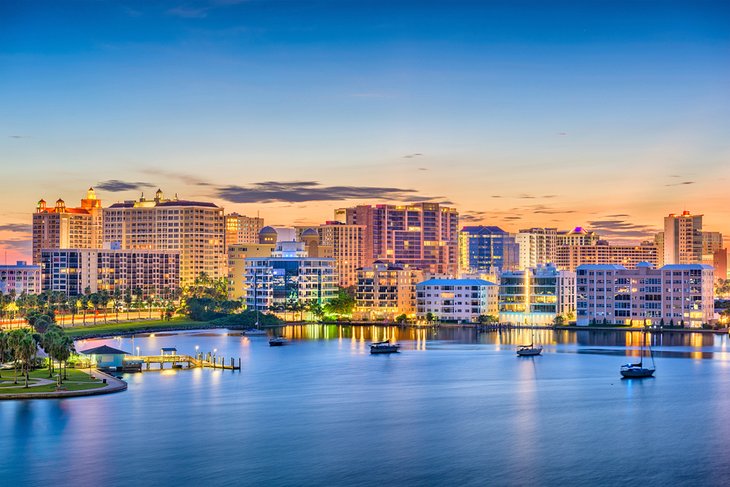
(659, 242)
(194, 229)
(487, 248)
(347, 242)
(385, 291)
(577, 236)
(537, 246)
(536, 296)
(683, 239)
(74, 271)
(424, 235)
(242, 229)
(237, 255)
(456, 299)
(20, 278)
(569, 257)
(63, 227)
(711, 242)
(676, 294)
(288, 275)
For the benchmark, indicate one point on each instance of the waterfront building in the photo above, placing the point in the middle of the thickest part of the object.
(659, 242)
(676, 294)
(569, 257)
(385, 291)
(423, 235)
(347, 243)
(63, 227)
(486, 249)
(536, 296)
(683, 238)
(237, 255)
(76, 271)
(241, 229)
(194, 229)
(273, 234)
(577, 236)
(288, 276)
(458, 300)
(20, 278)
(537, 246)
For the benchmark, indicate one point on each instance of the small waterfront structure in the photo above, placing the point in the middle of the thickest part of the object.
(168, 351)
(106, 357)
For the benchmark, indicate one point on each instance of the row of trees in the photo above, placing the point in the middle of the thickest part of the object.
(95, 304)
(21, 348)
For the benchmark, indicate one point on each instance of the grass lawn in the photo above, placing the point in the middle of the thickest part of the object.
(77, 381)
(131, 326)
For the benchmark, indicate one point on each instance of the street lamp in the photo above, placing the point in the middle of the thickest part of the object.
(196, 352)
(137, 351)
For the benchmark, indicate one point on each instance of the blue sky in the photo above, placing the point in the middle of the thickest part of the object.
(520, 113)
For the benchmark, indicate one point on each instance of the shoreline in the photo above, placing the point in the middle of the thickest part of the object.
(112, 385)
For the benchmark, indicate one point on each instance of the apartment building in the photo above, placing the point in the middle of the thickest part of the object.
(457, 300)
(385, 291)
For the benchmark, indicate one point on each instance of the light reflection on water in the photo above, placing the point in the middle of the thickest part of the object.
(455, 407)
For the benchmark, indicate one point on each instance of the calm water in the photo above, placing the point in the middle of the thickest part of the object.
(454, 408)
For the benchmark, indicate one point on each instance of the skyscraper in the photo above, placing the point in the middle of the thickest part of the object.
(63, 227)
(682, 239)
(194, 229)
(347, 242)
(483, 249)
(423, 235)
(537, 246)
(241, 229)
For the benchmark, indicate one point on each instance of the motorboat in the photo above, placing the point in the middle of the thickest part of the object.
(278, 341)
(254, 332)
(638, 370)
(384, 347)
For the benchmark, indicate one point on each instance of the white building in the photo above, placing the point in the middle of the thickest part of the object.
(289, 275)
(678, 294)
(456, 299)
(536, 296)
(683, 238)
(20, 278)
(537, 246)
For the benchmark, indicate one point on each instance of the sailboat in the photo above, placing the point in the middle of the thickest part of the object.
(637, 370)
(529, 350)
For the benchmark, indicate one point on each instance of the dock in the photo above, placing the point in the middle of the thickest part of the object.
(136, 362)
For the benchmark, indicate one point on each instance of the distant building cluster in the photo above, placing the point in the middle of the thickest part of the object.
(412, 259)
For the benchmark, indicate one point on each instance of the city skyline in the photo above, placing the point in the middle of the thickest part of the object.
(613, 117)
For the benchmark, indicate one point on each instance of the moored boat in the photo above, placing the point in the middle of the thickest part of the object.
(278, 341)
(638, 370)
(528, 350)
(384, 347)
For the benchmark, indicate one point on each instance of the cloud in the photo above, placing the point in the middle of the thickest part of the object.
(618, 228)
(618, 215)
(17, 245)
(562, 134)
(301, 191)
(411, 156)
(512, 217)
(683, 183)
(116, 185)
(19, 136)
(16, 227)
(546, 210)
(189, 12)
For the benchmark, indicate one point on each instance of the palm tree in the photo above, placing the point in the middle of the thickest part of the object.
(128, 301)
(117, 297)
(14, 339)
(3, 346)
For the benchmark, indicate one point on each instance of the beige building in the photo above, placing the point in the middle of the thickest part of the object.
(63, 227)
(569, 257)
(683, 239)
(577, 236)
(237, 255)
(347, 243)
(242, 229)
(194, 229)
(386, 290)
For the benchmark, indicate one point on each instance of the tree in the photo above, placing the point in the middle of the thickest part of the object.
(429, 317)
(3, 346)
(24, 351)
(559, 320)
(401, 318)
(488, 319)
(341, 305)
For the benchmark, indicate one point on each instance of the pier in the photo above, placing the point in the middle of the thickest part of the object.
(136, 362)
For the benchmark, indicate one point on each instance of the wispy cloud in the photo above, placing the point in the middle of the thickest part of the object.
(16, 227)
(300, 191)
(619, 228)
(411, 156)
(200, 9)
(116, 185)
(683, 183)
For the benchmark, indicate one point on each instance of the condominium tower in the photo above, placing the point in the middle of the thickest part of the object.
(683, 238)
(194, 229)
(424, 235)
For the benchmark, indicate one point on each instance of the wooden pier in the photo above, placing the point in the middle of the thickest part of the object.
(178, 361)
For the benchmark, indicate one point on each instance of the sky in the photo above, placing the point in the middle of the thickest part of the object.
(603, 114)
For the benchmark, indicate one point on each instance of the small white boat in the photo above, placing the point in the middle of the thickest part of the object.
(528, 350)
(637, 370)
(384, 347)
(278, 341)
